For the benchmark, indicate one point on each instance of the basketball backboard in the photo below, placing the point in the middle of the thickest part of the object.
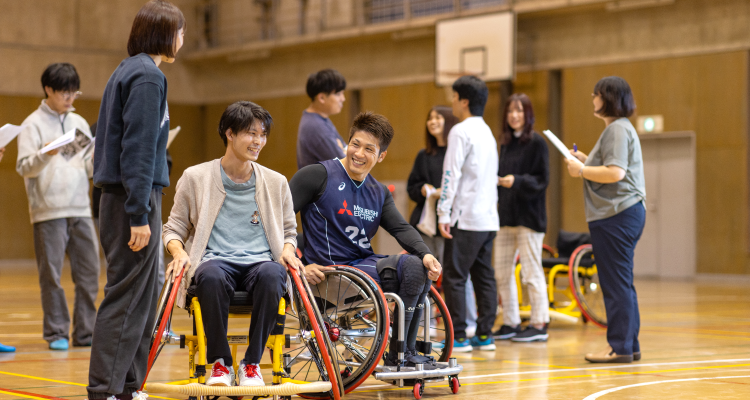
(481, 45)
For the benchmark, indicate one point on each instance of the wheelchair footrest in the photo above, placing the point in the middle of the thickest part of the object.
(197, 389)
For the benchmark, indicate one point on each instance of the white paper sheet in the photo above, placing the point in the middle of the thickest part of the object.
(70, 144)
(9, 132)
(558, 144)
(428, 220)
(60, 142)
(172, 134)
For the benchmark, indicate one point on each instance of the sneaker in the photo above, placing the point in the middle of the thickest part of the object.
(250, 375)
(221, 375)
(608, 355)
(6, 349)
(413, 358)
(140, 396)
(483, 342)
(462, 346)
(59, 344)
(506, 332)
(531, 334)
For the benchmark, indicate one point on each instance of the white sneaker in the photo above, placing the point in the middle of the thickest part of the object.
(221, 375)
(139, 396)
(250, 375)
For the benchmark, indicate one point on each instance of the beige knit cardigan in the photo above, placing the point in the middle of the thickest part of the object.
(200, 195)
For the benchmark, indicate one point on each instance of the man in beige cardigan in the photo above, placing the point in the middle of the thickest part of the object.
(239, 217)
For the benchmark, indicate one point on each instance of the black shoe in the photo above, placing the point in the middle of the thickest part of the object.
(506, 332)
(414, 358)
(636, 356)
(531, 334)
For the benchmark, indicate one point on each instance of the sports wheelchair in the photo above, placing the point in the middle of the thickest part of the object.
(580, 295)
(301, 361)
(357, 316)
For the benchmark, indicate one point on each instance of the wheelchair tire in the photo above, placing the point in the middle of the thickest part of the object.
(327, 370)
(354, 319)
(584, 283)
(439, 313)
(163, 320)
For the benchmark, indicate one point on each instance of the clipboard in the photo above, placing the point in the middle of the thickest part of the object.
(558, 144)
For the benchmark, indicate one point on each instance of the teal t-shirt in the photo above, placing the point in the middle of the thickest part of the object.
(238, 235)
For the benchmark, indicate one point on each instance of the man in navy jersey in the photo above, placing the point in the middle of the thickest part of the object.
(342, 206)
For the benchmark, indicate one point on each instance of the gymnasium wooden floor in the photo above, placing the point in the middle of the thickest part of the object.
(695, 339)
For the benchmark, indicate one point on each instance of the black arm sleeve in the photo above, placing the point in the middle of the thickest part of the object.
(530, 185)
(308, 185)
(417, 179)
(395, 224)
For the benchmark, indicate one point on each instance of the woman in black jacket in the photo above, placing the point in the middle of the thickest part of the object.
(523, 175)
(428, 171)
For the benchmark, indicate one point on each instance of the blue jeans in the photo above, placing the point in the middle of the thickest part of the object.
(614, 241)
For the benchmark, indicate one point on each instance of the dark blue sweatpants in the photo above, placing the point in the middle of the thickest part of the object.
(614, 241)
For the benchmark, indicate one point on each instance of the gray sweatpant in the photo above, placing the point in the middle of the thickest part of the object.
(52, 240)
(124, 324)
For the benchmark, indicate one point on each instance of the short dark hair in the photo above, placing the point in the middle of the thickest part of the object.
(374, 124)
(617, 97)
(241, 116)
(325, 81)
(450, 120)
(473, 89)
(528, 119)
(155, 29)
(61, 77)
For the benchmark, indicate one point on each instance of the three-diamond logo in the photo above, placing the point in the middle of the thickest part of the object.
(345, 209)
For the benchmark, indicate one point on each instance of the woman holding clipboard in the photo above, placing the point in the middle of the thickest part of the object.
(614, 194)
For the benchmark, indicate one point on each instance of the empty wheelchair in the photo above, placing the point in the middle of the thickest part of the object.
(357, 316)
(572, 281)
(301, 362)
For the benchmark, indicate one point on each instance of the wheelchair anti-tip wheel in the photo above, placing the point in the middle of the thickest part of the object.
(585, 285)
(356, 321)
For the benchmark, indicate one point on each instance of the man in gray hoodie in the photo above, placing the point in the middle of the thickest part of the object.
(57, 185)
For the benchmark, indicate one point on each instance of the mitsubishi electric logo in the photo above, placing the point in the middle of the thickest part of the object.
(342, 186)
(345, 209)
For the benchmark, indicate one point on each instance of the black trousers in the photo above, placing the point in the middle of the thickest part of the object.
(122, 332)
(614, 240)
(216, 281)
(469, 253)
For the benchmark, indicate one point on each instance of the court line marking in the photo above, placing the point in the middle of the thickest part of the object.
(602, 368)
(616, 389)
(28, 395)
(66, 382)
(605, 373)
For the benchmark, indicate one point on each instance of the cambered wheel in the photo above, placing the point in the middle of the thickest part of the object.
(310, 360)
(163, 321)
(454, 384)
(354, 313)
(441, 327)
(585, 285)
(418, 390)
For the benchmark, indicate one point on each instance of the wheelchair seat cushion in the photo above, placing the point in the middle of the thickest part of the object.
(240, 303)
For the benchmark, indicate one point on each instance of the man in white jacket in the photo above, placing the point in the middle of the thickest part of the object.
(57, 185)
(467, 214)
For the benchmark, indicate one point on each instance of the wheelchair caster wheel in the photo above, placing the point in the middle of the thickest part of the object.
(418, 390)
(454, 384)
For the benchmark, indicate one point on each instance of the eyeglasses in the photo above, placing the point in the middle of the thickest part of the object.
(71, 95)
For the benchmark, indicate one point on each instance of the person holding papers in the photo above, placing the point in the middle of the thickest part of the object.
(131, 168)
(614, 191)
(5, 348)
(522, 181)
(57, 186)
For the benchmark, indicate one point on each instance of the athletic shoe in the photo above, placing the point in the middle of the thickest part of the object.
(6, 349)
(140, 396)
(531, 334)
(250, 375)
(462, 346)
(221, 375)
(482, 342)
(413, 358)
(608, 355)
(506, 332)
(59, 344)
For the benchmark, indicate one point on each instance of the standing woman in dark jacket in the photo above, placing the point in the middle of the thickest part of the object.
(130, 165)
(523, 175)
(428, 171)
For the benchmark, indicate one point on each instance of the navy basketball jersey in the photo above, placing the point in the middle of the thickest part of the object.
(340, 225)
